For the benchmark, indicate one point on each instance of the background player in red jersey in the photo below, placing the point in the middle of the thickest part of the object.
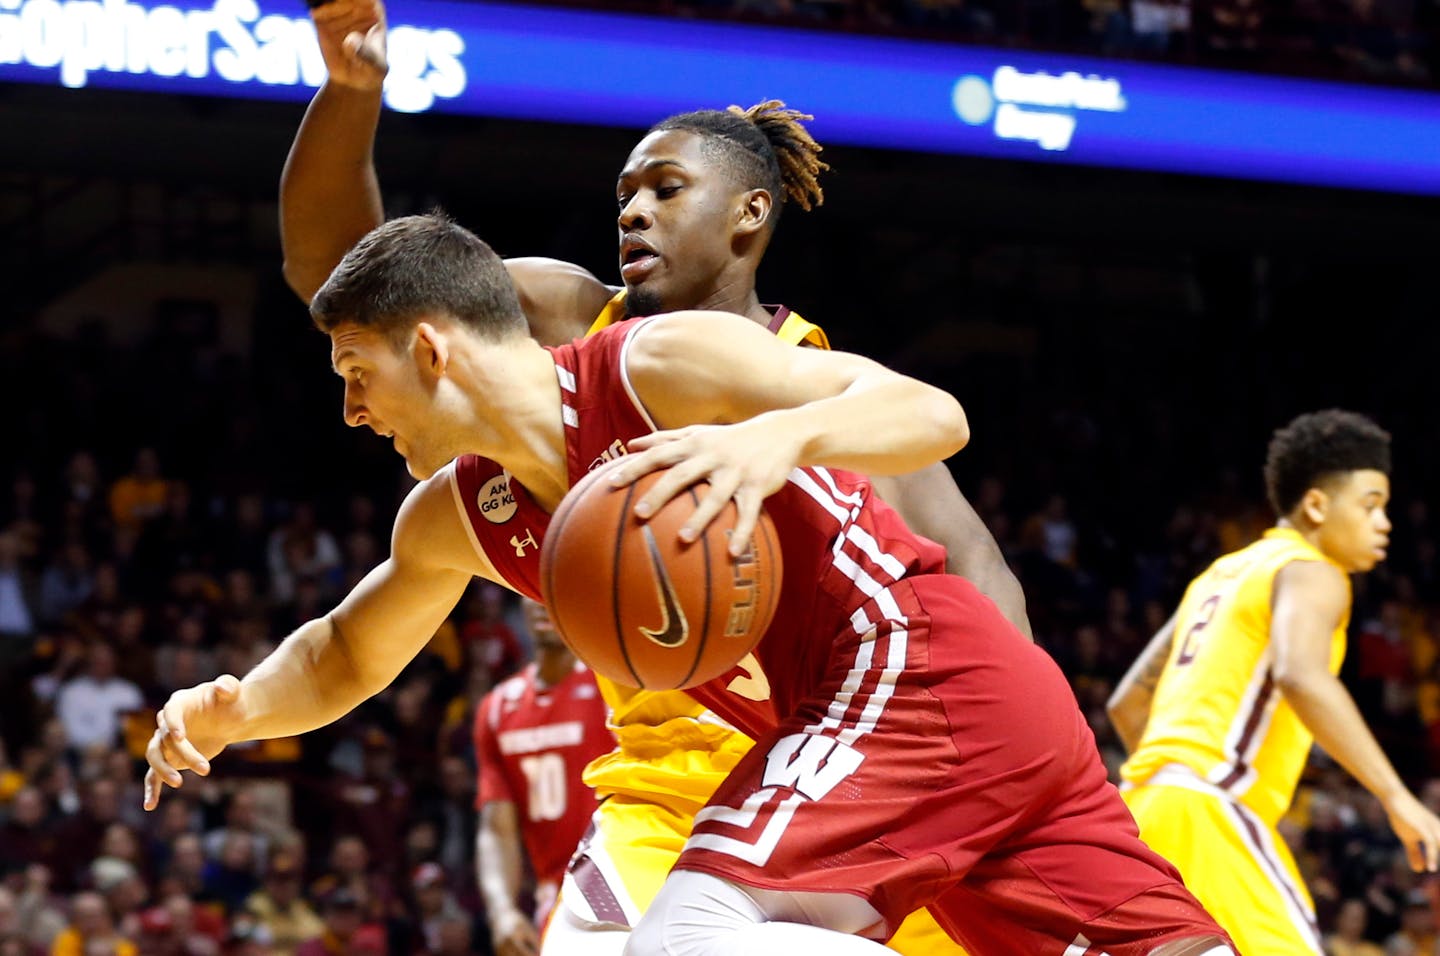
(916, 749)
(534, 734)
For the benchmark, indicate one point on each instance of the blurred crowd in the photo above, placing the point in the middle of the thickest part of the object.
(148, 543)
(1378, 40)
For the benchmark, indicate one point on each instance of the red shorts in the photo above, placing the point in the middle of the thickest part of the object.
(945, 764)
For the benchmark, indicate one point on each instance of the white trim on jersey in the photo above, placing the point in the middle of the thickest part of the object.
(572, 896)
(755, 853)
(566, 377)
(632, 327)
(489, 571)
(1249, 701)
(1259, 839)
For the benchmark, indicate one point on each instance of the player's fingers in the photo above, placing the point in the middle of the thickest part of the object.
(716, 497)
(159, 763)
(657, 438)
(1415, 852)
(747, 507)
(1430, 847)
(641, 463)
(152, 790)
(181, 751)
(671, 483)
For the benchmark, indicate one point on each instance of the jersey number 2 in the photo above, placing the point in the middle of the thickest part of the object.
(1191, 645)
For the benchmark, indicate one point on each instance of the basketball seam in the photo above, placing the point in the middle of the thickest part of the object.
(615, 578)
(704, 544)
(773, 561)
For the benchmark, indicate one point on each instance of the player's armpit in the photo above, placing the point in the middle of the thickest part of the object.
(932, 505)
(560, 299)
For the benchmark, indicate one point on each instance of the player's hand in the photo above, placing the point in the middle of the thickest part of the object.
(194, 725)
(745, 462)
(513, 935)
(352, 41)
(1418, 829)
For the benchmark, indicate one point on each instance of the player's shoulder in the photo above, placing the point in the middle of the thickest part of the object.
(560, 299)
(430, 530)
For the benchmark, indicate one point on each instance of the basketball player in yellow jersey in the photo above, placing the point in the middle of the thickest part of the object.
(1221, 708)
(699, 198)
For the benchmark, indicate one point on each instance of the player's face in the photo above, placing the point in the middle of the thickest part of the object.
(1356, 530)
(542, 630)
(385, 391)
(677, 216)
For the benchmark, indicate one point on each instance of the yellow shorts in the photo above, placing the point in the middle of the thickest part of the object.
(1236, 864)
(634, 844)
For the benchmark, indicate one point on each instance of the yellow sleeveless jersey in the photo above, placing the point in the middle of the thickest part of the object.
(663, 735)
(1216, 708)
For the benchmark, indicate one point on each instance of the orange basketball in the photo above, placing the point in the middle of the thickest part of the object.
(639, 606)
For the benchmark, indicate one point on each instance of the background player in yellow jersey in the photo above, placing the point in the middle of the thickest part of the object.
(699, 197)
(1221, 708)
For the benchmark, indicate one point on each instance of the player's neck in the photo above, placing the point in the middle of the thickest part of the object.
(736, 296)
(515, 404)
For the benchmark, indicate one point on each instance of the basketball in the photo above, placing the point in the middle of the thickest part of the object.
(643, 608)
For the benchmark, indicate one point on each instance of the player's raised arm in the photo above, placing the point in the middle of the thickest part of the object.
(329, 192)
(786, 407)
(329, 665)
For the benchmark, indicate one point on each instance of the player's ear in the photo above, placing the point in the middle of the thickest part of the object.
(753, 213)
(432, 350)
(1315, 505)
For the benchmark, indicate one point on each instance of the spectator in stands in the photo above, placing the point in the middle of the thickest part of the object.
(20, 602)
(301, 548)
(92, 704)
(66, 582)
(91, 931)
(140, 495)
(346, 931)
(278, 906)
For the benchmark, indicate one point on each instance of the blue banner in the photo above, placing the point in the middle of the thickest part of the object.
(629, 70)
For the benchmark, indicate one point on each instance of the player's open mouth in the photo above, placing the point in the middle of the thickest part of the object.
(638, 264)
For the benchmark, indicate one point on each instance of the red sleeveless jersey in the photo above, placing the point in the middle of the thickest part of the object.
(531, 742)
(842, 547)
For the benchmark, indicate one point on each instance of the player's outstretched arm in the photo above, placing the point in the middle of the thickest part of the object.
(1129, 705)
(329, 192)
(782, 407)
(329, 665)
(499, 867)
(932, 505)
(1311, 599)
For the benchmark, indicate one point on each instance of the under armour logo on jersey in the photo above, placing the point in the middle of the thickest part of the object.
(520, 544)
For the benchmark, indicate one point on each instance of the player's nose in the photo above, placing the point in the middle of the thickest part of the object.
(354, 410)
(634, 215)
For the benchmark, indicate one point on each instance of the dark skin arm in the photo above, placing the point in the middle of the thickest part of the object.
(498, 863)
(330, 192)
(1310, 601)
(1129, 705)
(932, 505)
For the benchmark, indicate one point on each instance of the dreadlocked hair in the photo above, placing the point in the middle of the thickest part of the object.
(768, 146)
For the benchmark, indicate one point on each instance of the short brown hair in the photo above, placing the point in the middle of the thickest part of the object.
(415, 266)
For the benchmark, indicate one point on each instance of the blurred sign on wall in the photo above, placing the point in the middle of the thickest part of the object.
(627, 70)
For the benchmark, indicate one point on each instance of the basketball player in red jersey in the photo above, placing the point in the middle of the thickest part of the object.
(533, 735)
(695, 220)
(915, 750)
(699, 199)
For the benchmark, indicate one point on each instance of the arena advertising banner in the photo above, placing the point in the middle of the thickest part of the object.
(628, 70)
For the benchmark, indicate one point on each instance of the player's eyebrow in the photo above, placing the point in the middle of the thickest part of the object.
(648, 166)
(339, 357)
